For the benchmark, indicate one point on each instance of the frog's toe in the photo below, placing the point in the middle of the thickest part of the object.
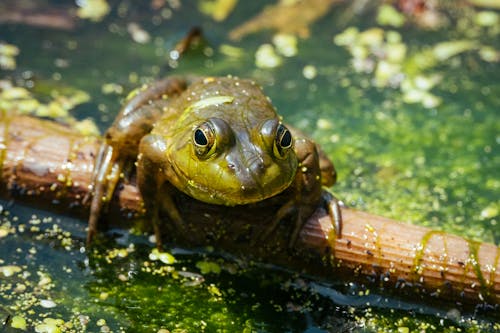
(92, 228)
(333, 206)
(105, 177)
(286, 210)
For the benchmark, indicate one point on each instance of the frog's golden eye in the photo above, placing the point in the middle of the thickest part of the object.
(283, 142)
(204, 140)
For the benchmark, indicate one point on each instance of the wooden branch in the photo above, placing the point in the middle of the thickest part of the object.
(47, 164)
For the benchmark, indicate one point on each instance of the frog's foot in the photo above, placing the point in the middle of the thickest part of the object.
(329, 201)
(154, 203)
(105, 176)
(286, 209)
(157, 232)
(178, 223)
(333, 207)
(296, 213)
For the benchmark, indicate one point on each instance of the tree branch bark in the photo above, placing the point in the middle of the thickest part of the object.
(47, 164)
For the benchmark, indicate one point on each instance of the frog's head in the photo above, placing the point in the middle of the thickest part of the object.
(229, 145)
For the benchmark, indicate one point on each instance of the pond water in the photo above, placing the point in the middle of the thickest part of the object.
(406, 103)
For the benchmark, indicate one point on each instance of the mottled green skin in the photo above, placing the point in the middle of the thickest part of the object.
(245, 162)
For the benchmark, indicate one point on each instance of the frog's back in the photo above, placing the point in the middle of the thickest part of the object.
(208, 97)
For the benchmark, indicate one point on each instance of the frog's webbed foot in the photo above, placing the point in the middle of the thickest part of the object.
(300, 216)
(333, 207)
(105, 176)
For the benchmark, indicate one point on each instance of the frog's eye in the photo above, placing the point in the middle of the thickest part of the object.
(283, 142)
(204, 140)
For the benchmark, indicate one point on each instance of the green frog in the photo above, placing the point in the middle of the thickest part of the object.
(220, 141)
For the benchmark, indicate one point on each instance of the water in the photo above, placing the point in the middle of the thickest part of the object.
(437, 166)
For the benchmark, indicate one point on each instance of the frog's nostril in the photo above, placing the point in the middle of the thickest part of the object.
(231, 167)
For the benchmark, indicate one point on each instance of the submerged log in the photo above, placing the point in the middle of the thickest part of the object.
(47, 164)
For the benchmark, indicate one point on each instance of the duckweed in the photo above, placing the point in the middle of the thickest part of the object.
(408, 115)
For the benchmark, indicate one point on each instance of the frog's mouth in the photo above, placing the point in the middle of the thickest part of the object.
(231, 190)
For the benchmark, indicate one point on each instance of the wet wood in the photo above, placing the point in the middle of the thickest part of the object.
(47, 164)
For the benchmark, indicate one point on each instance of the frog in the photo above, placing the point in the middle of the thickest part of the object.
(218, 140)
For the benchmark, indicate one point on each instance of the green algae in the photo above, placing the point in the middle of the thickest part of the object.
(420, 252)
(120, 288)
(437, 166)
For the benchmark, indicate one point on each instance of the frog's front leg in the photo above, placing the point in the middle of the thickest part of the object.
(306, 192)
(316, 170)
(135, 120)
(151, 166)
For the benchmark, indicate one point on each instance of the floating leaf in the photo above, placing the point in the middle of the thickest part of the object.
(286, 44)
(208, 267)
(486, 18)
(9, 270)
(486, 3)
(18, 322)
(266, 57)
(94, 10)
(489, 54)
(388, 15)
(445, 50)
(164, 257)
(219, 10)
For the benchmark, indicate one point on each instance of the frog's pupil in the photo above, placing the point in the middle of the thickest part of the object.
(286, 138)
(200, 138)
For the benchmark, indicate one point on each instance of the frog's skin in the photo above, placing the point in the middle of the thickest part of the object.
(218, 140)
